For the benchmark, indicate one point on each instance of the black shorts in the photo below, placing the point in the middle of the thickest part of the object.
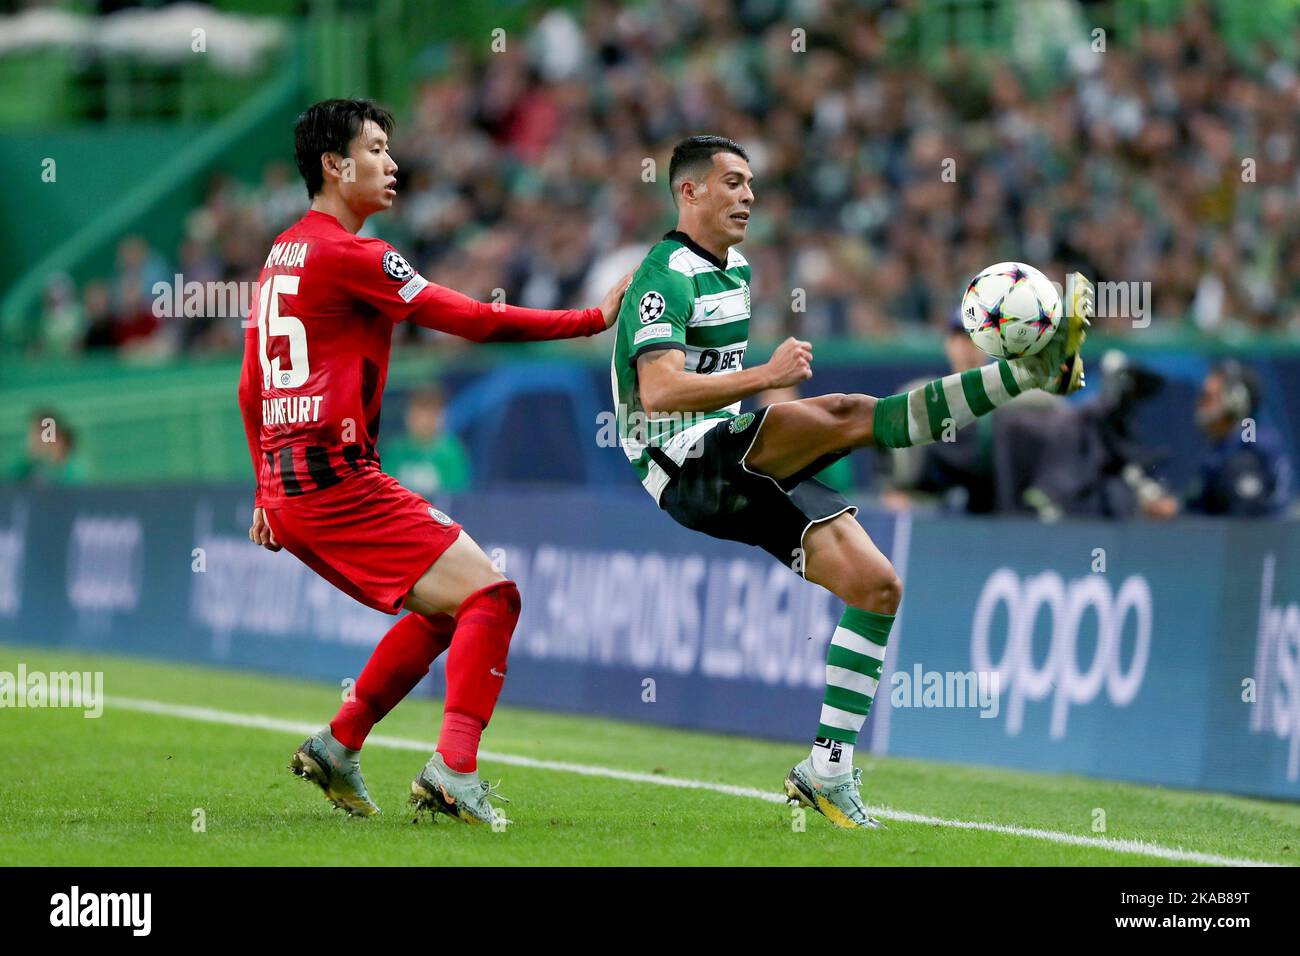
(714, 492)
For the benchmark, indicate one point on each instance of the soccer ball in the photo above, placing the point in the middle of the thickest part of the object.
(1011, 310)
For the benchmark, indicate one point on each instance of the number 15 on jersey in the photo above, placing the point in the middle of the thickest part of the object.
(271, 323)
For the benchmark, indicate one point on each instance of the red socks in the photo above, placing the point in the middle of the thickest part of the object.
(476, 668)
(458, 742)
(395, 667)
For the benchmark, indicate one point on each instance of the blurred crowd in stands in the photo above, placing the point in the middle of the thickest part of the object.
(1164, 161)
(882, 185)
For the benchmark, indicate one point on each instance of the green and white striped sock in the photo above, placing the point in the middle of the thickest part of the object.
(853, 662)
(952, 402)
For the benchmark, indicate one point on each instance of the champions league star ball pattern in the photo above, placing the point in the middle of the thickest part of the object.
(1011, 310)
(396, 267)
(651, 308)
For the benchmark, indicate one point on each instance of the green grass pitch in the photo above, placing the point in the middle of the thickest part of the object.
(123, 790)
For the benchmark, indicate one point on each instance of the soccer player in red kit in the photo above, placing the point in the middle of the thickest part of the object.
(315, 362)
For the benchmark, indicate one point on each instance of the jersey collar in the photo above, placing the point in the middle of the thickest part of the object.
(318, 215)
(676, 235)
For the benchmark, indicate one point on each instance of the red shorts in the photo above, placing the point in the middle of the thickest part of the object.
(368, 536)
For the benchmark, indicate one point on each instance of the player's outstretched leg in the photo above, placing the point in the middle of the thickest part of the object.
(486, 607)
(949, 404)
(841, 557)
(796, 434)
(331, 758)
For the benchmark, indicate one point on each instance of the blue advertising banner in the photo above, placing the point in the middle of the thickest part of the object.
(1104, 672)
(1253, 731)
(624, 612)
(1164, 654)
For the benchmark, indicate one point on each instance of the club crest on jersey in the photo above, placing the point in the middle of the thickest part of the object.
(438, 516)
(395, 267)
(651, 308)
(740, 422)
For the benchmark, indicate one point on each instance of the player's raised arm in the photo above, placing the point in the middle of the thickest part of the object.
(375, 273)
(449, 311)
(655, 314)
(666, 386)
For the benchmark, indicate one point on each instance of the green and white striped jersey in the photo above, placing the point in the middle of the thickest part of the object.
(683, 298)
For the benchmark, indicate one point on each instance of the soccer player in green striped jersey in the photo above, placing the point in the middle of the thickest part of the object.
(678, 379)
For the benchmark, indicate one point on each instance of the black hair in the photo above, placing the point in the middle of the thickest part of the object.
(692, 154)
(328, 127)
(1241, 387)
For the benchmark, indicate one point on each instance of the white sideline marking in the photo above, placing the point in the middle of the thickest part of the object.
(229, 718)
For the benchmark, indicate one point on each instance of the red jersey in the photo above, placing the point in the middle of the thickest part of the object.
(317, 342)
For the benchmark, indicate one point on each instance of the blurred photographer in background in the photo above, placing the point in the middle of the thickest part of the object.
(1093, 461)
(1246, 472)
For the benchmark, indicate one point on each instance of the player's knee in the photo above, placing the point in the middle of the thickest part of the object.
(878, 588)
(510, 594)
(494, 579)
(891, 592)
(837, 404)
(500, 596)
(852, 414)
